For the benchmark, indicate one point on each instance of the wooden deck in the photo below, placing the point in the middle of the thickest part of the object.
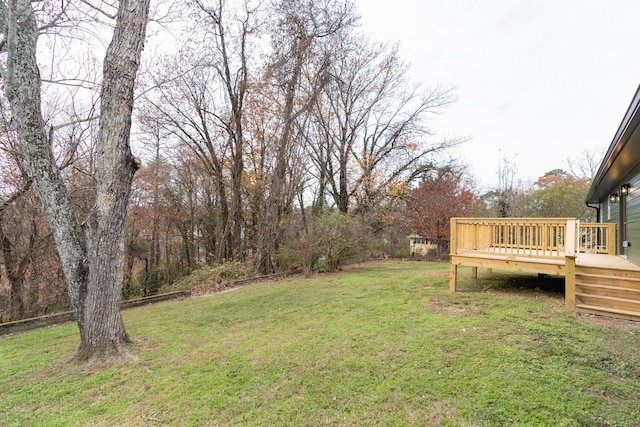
(596, 280)
(614, 262)
(582, 259)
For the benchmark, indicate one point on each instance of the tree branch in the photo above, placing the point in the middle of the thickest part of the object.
(97, 9)
(16, 194)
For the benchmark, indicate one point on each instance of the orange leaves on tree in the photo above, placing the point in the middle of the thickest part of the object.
(438, 198)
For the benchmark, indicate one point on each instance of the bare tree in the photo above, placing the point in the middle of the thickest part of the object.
(510, 194)
(586, 163)
(369, 136)
(231, 48)
(201, 97)
(186, 108)
(303, 32)
(91, 253)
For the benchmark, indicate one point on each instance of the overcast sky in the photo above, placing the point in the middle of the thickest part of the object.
(537, 81)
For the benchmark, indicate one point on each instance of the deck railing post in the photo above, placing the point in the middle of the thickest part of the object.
(611, 240)
(578, 239)
(570, 238)
(453, 237)
(453, 249)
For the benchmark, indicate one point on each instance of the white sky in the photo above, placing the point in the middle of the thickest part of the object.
(537, 81)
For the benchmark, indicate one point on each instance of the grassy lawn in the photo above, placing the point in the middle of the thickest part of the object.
(379, 344)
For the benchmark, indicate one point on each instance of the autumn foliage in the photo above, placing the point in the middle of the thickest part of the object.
(277, 134)
(560, 194)
(442, 195)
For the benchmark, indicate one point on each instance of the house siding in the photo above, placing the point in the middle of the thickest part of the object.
(610, 212)
(621, 165)
(633, 219)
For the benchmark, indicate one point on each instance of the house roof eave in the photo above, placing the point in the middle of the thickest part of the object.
(622, 155)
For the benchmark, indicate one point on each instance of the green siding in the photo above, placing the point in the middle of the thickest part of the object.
(633, 220)
(610, 212)
(614, 217)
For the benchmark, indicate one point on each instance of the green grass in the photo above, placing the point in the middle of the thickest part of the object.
(380, 344)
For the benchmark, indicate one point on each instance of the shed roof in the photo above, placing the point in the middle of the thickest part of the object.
(622, 156)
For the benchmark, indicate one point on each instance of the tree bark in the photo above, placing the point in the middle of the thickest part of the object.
(92, 262)
(22, 88)
(102, 330)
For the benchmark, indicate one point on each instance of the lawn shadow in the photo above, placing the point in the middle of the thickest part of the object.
(511, 282)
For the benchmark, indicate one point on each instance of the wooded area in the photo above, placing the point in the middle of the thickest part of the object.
(270, 133)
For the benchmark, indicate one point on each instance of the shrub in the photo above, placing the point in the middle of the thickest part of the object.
(297, 251)
(324, 244)
(213, 278)
(338, 238)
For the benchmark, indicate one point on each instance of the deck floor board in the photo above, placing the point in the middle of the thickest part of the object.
(556, 258)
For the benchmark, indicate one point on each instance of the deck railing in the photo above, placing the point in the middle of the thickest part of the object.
(562, 239)
(597, 238)
(537, 237)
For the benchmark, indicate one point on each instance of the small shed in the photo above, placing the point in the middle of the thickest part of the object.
(420, 246)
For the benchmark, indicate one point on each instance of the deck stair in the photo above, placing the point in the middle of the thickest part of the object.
(608, 292)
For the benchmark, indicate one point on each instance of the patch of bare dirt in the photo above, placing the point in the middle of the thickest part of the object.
(610, 322)
(443, 413)
(438, 274)
(453, 310)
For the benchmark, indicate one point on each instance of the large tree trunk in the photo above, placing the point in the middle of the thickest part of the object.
(22, 88)
(93, 271)
(102, 330)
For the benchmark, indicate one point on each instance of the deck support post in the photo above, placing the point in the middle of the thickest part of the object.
(474, 273)
(570, 284)
(453, 276)
(570, 253)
